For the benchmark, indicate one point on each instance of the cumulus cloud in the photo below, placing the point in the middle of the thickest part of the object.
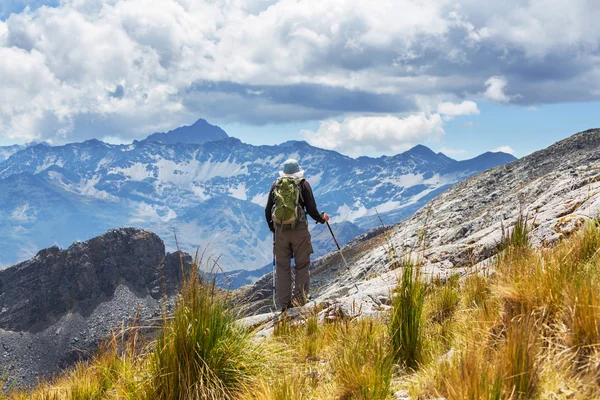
(543, 27)
(386, 134)
(450, 109)
(130, 67)
(496, 89)
(504, 149)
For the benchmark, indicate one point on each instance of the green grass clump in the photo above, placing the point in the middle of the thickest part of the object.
(202, 353)
(406, 325)
(518, 238)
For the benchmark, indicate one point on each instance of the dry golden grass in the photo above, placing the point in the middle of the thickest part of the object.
(530, 330)
(343, 359)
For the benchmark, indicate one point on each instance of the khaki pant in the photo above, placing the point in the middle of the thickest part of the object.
(292, 243)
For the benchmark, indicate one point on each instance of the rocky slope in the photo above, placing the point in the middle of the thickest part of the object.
(557, 189)
(56, 307)
(190, 181)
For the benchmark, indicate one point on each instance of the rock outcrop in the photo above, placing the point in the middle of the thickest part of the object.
(557, 189)
(57, 307)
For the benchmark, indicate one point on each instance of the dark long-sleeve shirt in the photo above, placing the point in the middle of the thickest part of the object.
(307, 202)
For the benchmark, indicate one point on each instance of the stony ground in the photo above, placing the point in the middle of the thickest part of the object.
(30, 356)
(556, 189)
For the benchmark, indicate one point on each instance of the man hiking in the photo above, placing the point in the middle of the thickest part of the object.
(290, 199)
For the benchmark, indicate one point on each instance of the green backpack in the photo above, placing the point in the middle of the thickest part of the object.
(287, 195)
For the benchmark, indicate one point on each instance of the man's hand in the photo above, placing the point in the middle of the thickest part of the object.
(325, 217)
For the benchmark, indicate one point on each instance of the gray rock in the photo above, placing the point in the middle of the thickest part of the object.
(57, 307)
(557, 189)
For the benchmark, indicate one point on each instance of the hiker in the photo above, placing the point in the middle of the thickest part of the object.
(290, 199)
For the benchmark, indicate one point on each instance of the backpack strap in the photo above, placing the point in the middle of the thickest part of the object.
(301, 187)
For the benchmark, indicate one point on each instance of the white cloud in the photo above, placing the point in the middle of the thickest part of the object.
(504, 149)
(387, 134)
(3, 31)
(543, 27)
(450, 109)
(24, 213)
(496, 89)
(177, 60)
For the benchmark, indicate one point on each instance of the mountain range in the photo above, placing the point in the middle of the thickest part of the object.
(56, 307)
(208, 188)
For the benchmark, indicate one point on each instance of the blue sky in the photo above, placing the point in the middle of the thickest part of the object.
(8, 7)
(360, 77)
(523, 129)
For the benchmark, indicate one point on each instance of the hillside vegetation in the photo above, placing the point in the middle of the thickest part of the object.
(526, 327)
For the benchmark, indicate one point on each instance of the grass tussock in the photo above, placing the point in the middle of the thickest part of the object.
(406, 326)
(444, 298)
(202, 353)
(199, 353)
(470, 376)
(518, 237)
(292, 385)
(475, 290)
(342, 359)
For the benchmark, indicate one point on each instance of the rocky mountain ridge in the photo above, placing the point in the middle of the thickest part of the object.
(56, 308)
(458, 232)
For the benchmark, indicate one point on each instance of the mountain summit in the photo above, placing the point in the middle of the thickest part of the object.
(198, 133)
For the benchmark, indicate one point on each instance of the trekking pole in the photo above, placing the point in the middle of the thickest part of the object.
(340, 251)
(274, 300)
